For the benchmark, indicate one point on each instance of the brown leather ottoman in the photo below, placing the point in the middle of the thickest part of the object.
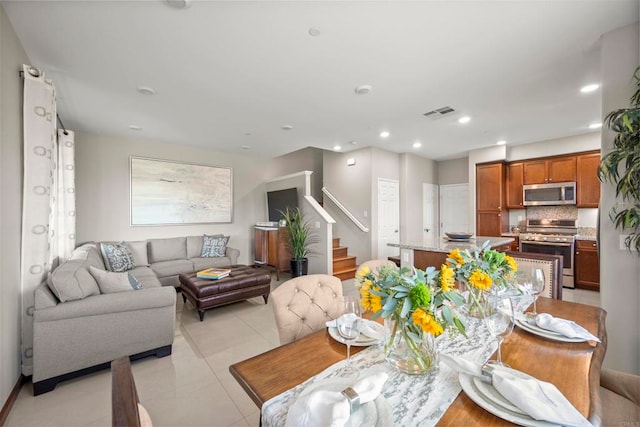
(243, 282)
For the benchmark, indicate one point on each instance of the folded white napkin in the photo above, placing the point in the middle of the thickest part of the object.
(539, 399)
(565, 327)
(322, 408)
(368, 328)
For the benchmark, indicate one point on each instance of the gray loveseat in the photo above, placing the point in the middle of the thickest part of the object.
(78, 328)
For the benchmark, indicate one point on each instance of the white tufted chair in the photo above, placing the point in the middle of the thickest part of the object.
(302, 305)
(375, 264)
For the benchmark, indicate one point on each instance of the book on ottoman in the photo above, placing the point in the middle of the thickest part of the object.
(213, 273)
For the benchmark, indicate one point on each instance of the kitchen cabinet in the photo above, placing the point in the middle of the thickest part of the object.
(587, 183)
(515, 175)
(545, 171)
(272, 249)
(587, 266)
(515, 245)
(491, 216)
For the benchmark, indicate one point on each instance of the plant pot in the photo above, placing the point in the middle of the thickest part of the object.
(299, 267)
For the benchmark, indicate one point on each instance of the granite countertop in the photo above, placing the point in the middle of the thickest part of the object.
(585, 237)
(440, 244)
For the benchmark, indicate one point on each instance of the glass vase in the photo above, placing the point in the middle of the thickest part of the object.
(476, 301)
(410, 353)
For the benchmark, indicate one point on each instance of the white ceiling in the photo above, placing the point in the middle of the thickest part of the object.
(231, 73)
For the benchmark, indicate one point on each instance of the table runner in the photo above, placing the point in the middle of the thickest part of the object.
(414, 399)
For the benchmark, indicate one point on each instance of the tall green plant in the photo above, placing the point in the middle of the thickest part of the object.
(621, 166)
(300, 236)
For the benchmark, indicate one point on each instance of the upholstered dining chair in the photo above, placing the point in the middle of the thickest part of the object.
(550, 264)
(620, 396)
(303, 304)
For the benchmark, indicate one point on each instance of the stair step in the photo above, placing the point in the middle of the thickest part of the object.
(336, 242)
(340, 264)
(345, 274)
(340, 252)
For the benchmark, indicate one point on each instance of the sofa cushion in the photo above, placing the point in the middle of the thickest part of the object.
(194, 245)
(202, 263)
(72, 281)
(111, 282)
(213, 246)
(139, 252)
(172, 268)
(146, 277)
(89, 252)
(117, 256)
(167, 249)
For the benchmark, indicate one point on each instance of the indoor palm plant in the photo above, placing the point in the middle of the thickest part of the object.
(300, 239)
(621, 166)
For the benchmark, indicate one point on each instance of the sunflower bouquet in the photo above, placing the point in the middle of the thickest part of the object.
(480, 269)
(417, 306)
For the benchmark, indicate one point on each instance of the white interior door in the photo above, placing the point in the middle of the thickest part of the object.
(454, 208)
(388, 217)
(429, 210)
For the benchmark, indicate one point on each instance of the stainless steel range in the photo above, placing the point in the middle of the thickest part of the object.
(555, 237)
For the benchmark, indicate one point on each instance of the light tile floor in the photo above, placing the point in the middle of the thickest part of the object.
(193, 386)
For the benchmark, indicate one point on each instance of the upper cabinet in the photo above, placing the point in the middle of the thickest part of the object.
(588, 185)
(545, 171)
(515, 175)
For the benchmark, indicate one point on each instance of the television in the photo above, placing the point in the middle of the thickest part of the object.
(279, 201)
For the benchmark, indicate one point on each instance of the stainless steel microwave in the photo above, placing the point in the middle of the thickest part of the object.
(557, 193)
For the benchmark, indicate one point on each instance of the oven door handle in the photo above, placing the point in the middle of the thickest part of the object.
(547, 243)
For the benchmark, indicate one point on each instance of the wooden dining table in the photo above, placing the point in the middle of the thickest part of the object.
(574, 368)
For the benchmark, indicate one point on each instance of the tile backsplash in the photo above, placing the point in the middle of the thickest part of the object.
(552, 212)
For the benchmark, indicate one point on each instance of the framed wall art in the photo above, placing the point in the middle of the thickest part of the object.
(165, 192)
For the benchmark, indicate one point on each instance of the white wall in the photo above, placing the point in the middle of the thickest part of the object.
(572, 144)
(386, 165)
(306, 159)
(454, 171)
(102, 190)
(12, 56)
(414, 171)
(619, 270)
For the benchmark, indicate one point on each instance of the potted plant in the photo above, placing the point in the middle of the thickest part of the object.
(300, 239)
(621, 166)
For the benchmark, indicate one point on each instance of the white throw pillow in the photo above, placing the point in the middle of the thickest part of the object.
(110, 282)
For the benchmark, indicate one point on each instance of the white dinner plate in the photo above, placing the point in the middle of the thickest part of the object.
(377, 413)
(470, 388)
(361, 341)
(536, 330)
(457, 240)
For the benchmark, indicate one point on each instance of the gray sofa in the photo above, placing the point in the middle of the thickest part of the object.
(79, 328)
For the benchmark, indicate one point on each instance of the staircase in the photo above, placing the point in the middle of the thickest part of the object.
(344, 265)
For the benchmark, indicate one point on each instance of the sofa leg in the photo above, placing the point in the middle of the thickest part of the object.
(44, 386)
(184, 298)
(201, 314)
(164, 351)
(265, 297)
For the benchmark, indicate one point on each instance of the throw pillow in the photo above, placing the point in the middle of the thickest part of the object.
(139, 251)
(117, 256)
(110, 282)
(71, 281)
(214, 246)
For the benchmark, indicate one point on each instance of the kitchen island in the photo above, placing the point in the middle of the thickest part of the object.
(433, 252)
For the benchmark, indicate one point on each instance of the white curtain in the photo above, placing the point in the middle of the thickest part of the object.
(48, 205)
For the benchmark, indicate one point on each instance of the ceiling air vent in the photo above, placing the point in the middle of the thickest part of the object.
(439, 112)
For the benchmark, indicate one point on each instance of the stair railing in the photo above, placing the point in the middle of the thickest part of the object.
(344, 210)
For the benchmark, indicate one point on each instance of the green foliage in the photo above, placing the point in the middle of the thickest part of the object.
(300, 236)
(621, 166)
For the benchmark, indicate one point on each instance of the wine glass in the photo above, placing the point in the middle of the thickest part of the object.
(535, 286)
(349, 324)
(498, 316)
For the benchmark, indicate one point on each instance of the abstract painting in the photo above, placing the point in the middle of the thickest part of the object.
(165, 192)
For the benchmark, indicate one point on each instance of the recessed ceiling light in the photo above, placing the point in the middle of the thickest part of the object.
(595, 125)
(363, 89)
(179, 4)
(337, 148)
(245, 147)
(384, 134)
(501, 142)
(464, 119)
(417, 144)
(314, 31)
(146, 90)
(287, 127)
(589, 88)
(353, 142)
(135, 127)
